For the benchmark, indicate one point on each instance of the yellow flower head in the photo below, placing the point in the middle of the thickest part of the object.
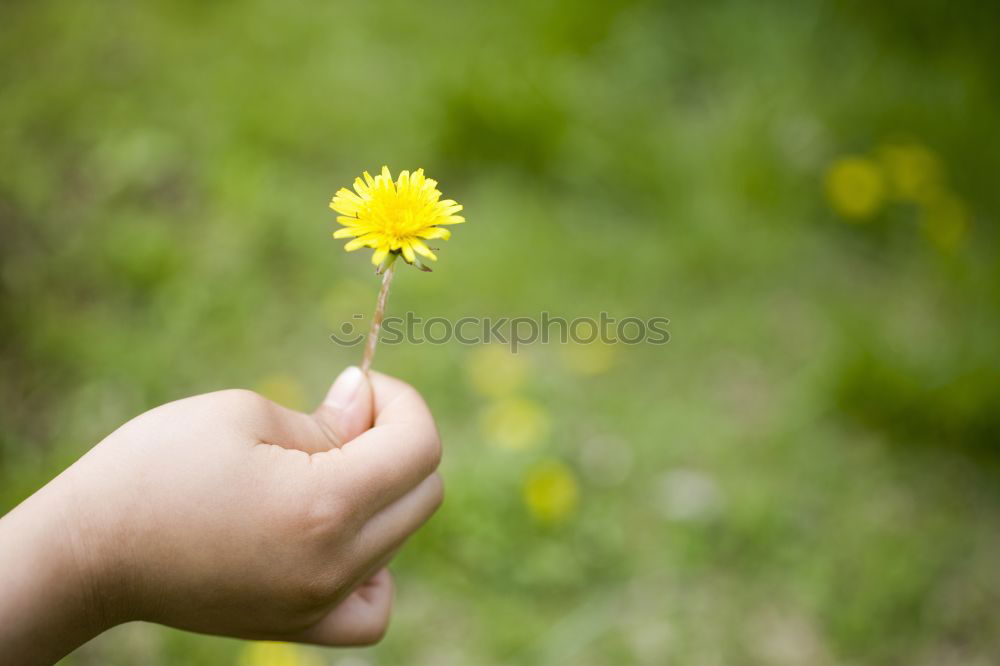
(515, 423)
(855, 187)
(394, 217)
(551, 492)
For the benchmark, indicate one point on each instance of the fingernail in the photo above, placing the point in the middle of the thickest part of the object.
(345, 388)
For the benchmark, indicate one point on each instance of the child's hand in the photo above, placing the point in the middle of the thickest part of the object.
(228, 514)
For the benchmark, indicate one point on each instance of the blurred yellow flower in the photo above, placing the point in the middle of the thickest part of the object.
(855, 187)
(515, 423)
(283, 389)
(589, 359)
(914, 172)
(492, 370)
(551, 492)
(276, 654)
(945, 220)
(394, 216)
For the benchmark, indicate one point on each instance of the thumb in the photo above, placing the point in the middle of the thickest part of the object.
(347, 409)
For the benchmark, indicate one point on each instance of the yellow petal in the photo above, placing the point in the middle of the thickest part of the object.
(384, 181)
(347, 232)
(419, 246)
(361, 241)
(347, 196)
(361, 187)
(408, 252)
(435, 232)
(346, 202)
(379, 255)
(417, 179)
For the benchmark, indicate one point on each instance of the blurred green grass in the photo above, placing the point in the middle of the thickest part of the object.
(806, 473)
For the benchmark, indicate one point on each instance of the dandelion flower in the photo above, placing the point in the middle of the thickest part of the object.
(395, 217)
(515, 423)
(551, 492)
(914, 172)
(855, 187)
(276, 654)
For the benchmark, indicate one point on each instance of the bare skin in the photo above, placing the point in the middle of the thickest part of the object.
(226, 514)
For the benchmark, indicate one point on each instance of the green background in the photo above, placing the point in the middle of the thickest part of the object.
(807, 472)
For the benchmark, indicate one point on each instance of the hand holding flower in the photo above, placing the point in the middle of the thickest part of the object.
(227, 514)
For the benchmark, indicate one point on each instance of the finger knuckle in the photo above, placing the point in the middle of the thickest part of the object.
(317, 590)
(322, 516)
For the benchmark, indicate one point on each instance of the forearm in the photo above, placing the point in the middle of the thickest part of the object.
(49, 602)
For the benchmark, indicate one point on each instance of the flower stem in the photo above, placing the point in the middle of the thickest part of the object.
(383, 296)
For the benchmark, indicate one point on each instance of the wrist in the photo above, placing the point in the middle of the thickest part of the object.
(56, 587)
